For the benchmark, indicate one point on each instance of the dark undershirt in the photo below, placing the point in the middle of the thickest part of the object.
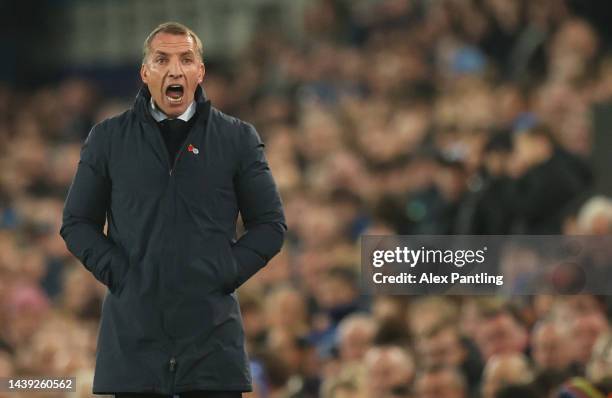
(174, 132)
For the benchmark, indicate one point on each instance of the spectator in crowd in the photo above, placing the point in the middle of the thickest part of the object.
(441, 382)
(493, 209)
(389, 372)
(503, 370)
(595, 216)
(300, 361)
(425, 313)
(548, 178)
(355, 336)
(286, 310)
(585, 319)
(501, 332)
(549, 343)
(443, 346)
(336, 297)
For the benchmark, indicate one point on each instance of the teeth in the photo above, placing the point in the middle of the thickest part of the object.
(175, 100)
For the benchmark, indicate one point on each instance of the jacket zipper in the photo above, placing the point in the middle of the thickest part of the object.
(172, 362)
(172, 369)
(176, 157)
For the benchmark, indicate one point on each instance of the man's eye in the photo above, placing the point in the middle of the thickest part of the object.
(187, 60)
(161, 60)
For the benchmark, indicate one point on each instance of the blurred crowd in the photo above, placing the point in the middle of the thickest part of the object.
(387, 117)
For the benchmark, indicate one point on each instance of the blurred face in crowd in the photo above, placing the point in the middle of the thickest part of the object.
(426, 313)
(586, 321)
(504, 370)
(450, 181)
(335, 292)
(549, 343)
(356, 337)
(530, 150)
(285, 309)
(253, 321)
(441, 383)
(442, 348)
(389, 371)
(496, 162)
(585, 329)
(500, 334)
(28, 308)
(172, 71)
(285, 344)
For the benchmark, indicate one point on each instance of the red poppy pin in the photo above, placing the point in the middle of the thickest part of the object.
(193, 149)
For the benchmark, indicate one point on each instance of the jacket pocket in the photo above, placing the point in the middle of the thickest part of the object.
(119, 285)
(211, 266)
(231, 279)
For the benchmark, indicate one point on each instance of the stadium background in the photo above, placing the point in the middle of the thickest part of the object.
(379, 116)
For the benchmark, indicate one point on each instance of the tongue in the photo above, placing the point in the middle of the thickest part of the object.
(174, 93)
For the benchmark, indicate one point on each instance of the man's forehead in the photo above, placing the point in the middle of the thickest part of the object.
(167, 42)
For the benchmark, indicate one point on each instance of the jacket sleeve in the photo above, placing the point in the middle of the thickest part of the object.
(261, 209)
(84, 215)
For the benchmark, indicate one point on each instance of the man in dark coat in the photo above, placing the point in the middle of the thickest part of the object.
(547, 179)
(171, 175)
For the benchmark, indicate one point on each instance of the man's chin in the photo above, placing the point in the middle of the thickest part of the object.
(174, 110)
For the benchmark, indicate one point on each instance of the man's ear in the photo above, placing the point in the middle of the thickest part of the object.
(202, 73)
(144, 73)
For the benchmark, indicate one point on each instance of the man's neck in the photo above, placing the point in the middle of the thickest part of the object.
(159, 115)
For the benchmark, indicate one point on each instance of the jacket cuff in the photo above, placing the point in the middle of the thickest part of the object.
(248, 262)
(112, 270)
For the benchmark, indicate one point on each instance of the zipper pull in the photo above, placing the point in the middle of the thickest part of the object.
(172, 364)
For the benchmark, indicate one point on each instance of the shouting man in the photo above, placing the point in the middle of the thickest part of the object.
(170, 176)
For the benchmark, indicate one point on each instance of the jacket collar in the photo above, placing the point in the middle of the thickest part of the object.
(141, 110)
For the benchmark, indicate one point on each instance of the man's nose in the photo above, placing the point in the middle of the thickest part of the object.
(175, 69)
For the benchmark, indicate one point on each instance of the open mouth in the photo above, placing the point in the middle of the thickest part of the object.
(174, 93)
